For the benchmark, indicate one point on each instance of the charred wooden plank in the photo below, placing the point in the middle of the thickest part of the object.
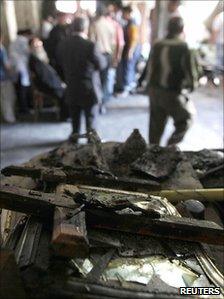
(99, 180)
(32, 202)
(11, 283)
(167, 227)
(22, 171)
(70, 176)
(14, 199)
(69, 234)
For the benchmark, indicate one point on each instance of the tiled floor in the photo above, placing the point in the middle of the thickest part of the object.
(22, 141)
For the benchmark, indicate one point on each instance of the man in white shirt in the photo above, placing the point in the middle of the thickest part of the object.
(104, 34)
(47, 26)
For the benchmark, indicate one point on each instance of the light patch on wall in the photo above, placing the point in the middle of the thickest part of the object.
(66, 6)
(195, 14)
(89, 5)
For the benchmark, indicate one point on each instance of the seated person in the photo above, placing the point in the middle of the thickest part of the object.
(45, 77)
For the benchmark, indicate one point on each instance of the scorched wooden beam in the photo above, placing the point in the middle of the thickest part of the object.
(58, 175)
(69, 237)
(166, 227)
(32, 202)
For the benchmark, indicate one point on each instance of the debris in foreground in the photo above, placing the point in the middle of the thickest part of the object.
(101, 227)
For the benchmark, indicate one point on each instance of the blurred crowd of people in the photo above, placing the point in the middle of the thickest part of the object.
(83, 60)
(113, 30)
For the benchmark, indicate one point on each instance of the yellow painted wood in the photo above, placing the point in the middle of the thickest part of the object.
(198, 194)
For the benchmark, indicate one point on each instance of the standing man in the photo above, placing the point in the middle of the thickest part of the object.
(115, 16)
(59, 32)
(103, 33)
(171, 12)
(47, 26)
(172, 70)
(81, 62)
(131, 52)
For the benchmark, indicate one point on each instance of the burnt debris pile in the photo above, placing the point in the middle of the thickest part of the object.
(90, 221)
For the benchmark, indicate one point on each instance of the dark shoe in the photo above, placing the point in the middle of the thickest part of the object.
(73, 138)
(123, 94)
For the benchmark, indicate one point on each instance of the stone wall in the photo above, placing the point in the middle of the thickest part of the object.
(19, 14)
(28, 14)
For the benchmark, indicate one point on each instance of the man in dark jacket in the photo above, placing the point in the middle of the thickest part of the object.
(172, 71)
(60, 31)
(81, 62)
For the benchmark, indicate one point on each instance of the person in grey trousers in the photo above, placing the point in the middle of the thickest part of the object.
(172, 74)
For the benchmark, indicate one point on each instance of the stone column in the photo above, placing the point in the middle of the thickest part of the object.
(36, 13)
(162, 18)
(28, 14)
(218, 9)
(8, 20)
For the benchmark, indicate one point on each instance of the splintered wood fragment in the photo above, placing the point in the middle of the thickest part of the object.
(27, 247)
(11, 282)
(69, 233)
(30, 240)
(14, 235)
(32, 202)
(100, 266)
(75, 177)
(168, 227)
(157, 162)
